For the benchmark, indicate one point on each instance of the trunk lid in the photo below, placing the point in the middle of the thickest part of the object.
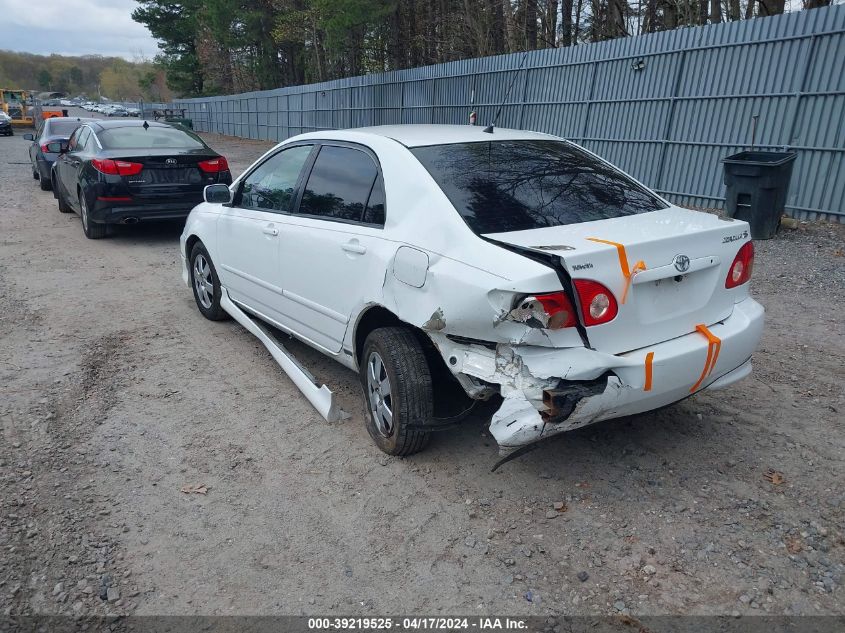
(686, 254)
(167, 175)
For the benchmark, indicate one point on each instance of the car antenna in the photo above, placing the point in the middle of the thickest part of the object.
(489, 128)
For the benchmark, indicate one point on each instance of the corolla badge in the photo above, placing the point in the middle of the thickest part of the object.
(681, 263)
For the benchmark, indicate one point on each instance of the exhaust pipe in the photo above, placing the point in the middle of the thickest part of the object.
(130, 220)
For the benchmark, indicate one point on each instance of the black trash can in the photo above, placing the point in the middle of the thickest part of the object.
(757, 184)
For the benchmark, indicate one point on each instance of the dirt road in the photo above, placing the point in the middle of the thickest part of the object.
(116, 393)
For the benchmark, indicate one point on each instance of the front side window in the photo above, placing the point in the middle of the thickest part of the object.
(271, 185)
(342, 186)
(500, 186)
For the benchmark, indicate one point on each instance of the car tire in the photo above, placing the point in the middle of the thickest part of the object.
(93, 230)
(204, 274)
(64, 207)
(45, 184)
(398, 393)
(35, 175)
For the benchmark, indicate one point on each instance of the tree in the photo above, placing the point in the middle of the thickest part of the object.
(174, 23)
(45, 79)
(224, 46)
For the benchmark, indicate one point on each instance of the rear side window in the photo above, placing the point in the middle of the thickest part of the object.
(58, 127)
(152, 137)
(81, 138)
(344, 185)
(501, 186)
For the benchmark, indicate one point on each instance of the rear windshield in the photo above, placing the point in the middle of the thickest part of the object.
(501, 186)
(153, 137)
(57, 127)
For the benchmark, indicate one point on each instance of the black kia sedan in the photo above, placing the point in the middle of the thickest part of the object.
(128, 171)
(46, 144)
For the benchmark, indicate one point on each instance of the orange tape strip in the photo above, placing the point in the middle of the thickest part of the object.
(620, 249)
(714, 346)
(649, 358)
(627, 273)
(640, 265)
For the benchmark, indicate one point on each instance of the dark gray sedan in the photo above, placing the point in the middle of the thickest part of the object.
(46, 145)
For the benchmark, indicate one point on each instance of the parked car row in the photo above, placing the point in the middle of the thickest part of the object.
(123, 171)
(111, 109)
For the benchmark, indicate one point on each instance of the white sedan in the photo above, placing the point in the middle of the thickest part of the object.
(447, 265)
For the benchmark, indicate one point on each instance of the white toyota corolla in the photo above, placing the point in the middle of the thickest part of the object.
(446, 265)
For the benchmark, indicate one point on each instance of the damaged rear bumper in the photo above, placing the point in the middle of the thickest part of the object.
(550, 390)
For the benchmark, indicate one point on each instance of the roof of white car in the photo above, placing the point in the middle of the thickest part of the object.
(418, 135)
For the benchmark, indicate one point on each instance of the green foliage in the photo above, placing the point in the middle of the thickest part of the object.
(88, 75)
(226, 46)
(45, 79)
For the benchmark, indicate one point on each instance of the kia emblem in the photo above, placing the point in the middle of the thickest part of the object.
(172, 161)
(682, 263)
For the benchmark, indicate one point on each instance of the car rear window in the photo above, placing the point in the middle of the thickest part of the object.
(56, 127)
(153, 137)
(501, 186)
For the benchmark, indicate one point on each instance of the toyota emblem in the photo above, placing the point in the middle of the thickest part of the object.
(172, 161)
(682, 263)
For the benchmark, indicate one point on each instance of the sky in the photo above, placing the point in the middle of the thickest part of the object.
(74, 27)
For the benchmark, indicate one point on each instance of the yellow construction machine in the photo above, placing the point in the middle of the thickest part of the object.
(18, 105)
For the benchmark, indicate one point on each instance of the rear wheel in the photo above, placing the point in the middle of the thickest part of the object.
(44, 183)
(34, 175)
(64, 207)
(206, 284)
(93, 230)
(397, 390)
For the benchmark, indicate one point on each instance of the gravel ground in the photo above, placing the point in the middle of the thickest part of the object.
(116, 393)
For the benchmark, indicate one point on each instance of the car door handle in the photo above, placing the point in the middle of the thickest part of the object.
(270, 230)
(354, 247)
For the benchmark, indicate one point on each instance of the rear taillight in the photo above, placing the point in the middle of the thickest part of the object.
(549, 311)
(116, 167)
(214, 165)
(558, 308)
(598, 305)
(46, 149)
(740, 270)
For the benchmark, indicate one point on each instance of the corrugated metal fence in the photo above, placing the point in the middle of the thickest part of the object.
(666, 107)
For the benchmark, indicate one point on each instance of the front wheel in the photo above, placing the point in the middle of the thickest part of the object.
(206, 284)
(397, 390)
(93, 230)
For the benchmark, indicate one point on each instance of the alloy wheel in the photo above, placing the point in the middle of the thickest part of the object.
(203, 282)
(380, 395)
(83, 212)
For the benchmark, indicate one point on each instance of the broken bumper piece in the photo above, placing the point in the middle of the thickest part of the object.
(550, 390)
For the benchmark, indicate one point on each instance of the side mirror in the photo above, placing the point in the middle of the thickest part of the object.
(217, 194)
(28, 137)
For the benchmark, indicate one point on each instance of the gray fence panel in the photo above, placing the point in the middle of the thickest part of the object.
(665, 107)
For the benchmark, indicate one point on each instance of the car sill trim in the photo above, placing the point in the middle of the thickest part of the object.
(320, 397)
